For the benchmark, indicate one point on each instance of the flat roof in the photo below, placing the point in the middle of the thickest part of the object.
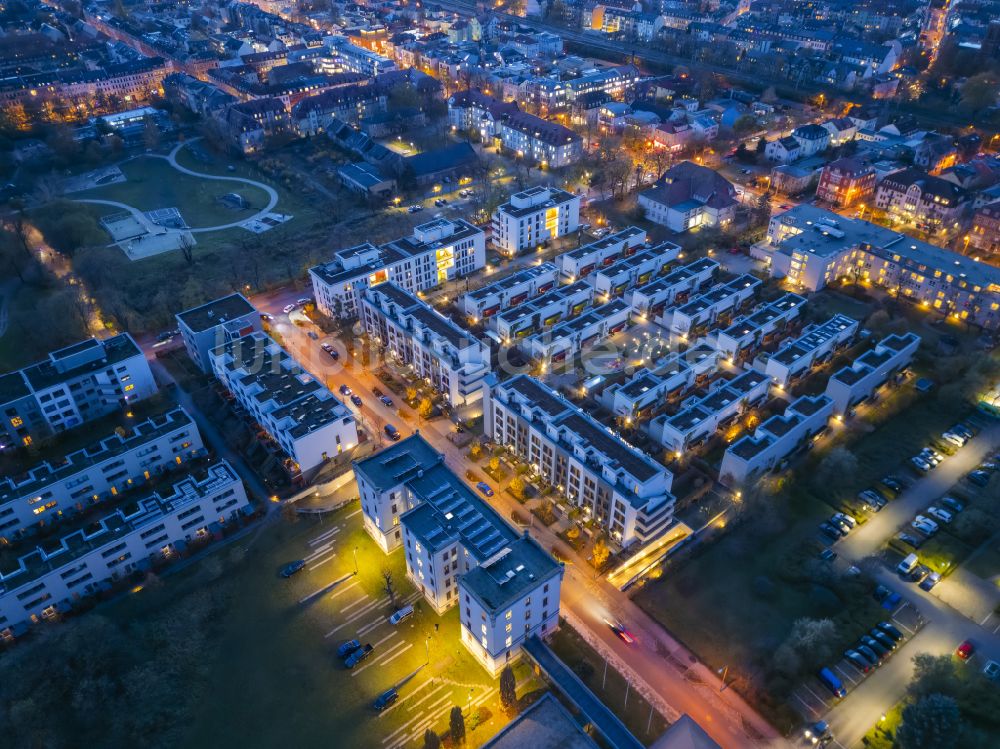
(398, 462)
(425, 315)
(544, 725)
(216, 312)
(115, 349)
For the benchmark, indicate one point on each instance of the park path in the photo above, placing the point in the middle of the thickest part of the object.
(138, 215)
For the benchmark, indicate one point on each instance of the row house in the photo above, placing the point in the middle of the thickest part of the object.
(582, 261)
(533, 315)
(715, 307)
(816, 345)
(855, 383)
(650, 300)
(487, 301)
(741, 340)
(636, 270)
(578, 333)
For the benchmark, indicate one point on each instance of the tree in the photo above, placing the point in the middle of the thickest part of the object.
(388, 585)
(600, 553)
(508, 689)
(933, 674)
(186, 245)
(933, 722)
(837, 469)
(494, 464)
(761, 146)
(456, 726)
(476, 450)
(411, 393)
(979, 92)
(573, 533)
(431, 740)
(745, 123)
(807, 644)
(426, 408)
(151, 133)
(516, 487)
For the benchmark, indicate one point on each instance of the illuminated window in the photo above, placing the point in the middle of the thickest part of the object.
(16, 421)
(129, 387)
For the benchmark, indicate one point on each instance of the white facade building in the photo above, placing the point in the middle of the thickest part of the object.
(578, 333)
(307, 420)
(487, 301)
(535, 315)
(534, 216)
(718, 304)
(638, 269)
(210, 325)
(741, 340)
(582, 261)
(816, 344)
(869, 371)
(651, 299)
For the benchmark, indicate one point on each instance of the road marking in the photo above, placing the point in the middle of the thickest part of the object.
(348, 607)
(985, 619)
(428, 695)
(333, 555)
(819, 699)
(387, 637)
(845, 674)
(351, 515)
(376, 662)
(399, 653)
(421, 723)
(371, 625)
(322, 537)
(805, 704)
(903, 625)
(344, 590)
(316, 592)
(325, 548)
(404, 698)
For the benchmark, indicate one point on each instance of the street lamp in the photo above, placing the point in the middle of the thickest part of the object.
(355, 560)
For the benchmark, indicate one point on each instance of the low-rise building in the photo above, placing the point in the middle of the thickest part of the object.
(459, 550)
(148, 523)
(853, 384)
(700, 418)
(584, 331)
(813, 247)
(783, 150)
(210, 325)
(651, 299)
(638, 269)
(846, 181)
(534, 216)
(752, 455)
(534, 315)
(508, 292)
(74, 385)
(817, 344)
(689, 195)
(582, 261)
(437, 251)
(452, 359)
(626, 491)
(309, 423)
(741, 340)
(717, 306)
(812, 139)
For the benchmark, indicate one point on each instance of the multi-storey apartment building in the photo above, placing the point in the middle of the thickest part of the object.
(813, 247)
(548, 144)
(741, 340)
(309, 423)
(52, 492)
(623, 489)
(846, 181)
(534, 216)
(816, 345)
(638, 269)
(454, 360)
(985, 233)
(437, 251)
(357, 59)
(459, 550)
(851, 385)
(148, 523)
(752, 455)
(651, 299)
(584, 260)
(475, 112)
(72, 386)
(700, 418)
(487, 301)
(929, 203)
(210, 325)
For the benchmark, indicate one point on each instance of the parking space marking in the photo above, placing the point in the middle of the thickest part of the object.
(899, 623)
(351, 515)
(378, 661)
(315, 593)
(985, 619)
(333, 555)
(344, 590)
(405, 697)
(324, 536)
(819, 699)
(322, 550)
(846, 675)
(348, 607)
(363, 611)
(394, 737)
(387, 637)
(425, 721)
(427, 696)
(371, 625)
(399, 653)
(805, 704)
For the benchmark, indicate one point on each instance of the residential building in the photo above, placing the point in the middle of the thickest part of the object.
(816, 345)
(582, 261)
(717, 306)
(748, 334)
(148, 524)
(74, 385)
(309, 423)
(784, 150)
(626, 491)
(210, 325)
(985, 233)
(460, 551)
(813, 247)
(851, 385)
(651, 299)
(351, 104)
(545, 143)
(534, 216)
(531, 316)
(452, 359)
(50, 493)
(846, 181)
(508, 292)
(249, 124)
(700, 418)
(357, 59)
(472, 111)
(750, 456)
(584, 331)
(689, 195)
(912, 196)
(437, 251)
(637, 269)
(812, 139)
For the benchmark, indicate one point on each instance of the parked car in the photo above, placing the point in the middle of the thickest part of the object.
(858, 660)
(851, 522)
(893, 483)
(965, 650)
(292, 567)
(414, 208)
(831, 682)
(359, 655)
(829, 531)
(868, 654)
(979, 478)
(938, 514)
(925, 525)
(883, 638)
(391, 432)
(328, 348)
(483, 487)
(819, 733)
(404, 613)
(385, 699)
(840, 525)
(303, 301)
(910, 540)
(920, 464)
(952, 504)
(288, 308)
(347, 648)
(964, 430)
(344, 390)
(930, 581)
(828, 555)
(356, 400)
(908, 564)
(386, 400)
(992, 670)
(872, 500)
(931, 455)
(874, 645)
(955, 439)
(891, 630)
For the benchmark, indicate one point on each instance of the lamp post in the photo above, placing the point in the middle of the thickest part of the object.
(355, 560)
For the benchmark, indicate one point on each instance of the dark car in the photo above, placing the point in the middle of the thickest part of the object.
(356, 400)
(880, 650)
(893, 483)
(855, 658)
(359, 655)
(377, 392)
(484, 488)
(292, 567)
(979, 478)
(868, 653)
(882, 637)
(890, 629)
(347, 648)
(828, 555)
(392, 432)
(344, 390)
(910, 540)
(623, 634)
(385, 699)
(386, 400)
(829, 531)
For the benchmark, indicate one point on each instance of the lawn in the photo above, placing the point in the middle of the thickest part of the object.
(610, 687)
(153, 183)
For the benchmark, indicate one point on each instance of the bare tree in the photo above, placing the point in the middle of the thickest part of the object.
(186, 245)
(388, 585)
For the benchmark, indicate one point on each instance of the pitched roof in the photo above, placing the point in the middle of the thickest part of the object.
(688, 181)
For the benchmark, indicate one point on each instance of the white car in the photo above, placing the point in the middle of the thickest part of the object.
(955, 439)
(288, 308)
(925, 525)
(920, 463)
(931, 456)
(938, 514)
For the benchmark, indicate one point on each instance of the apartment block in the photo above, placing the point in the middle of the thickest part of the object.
(534, 216)
(620, 487)
(915, 197)
(714, 307)
(449, 356)
(813, 248)
(309, 423)
(487, 301)
(459, 550)
(816, 344)
(582, 261)
(578, 333)
(210, 325)
(638, 269)
(741, 340)
(851, 385)
(846, 181)
(651, 299)
(148, 524)
(52, 492)
(355, 59)
(74, 385)
(700, 418)
(535, 315)
(438, 251)
(649, 391)
(545, 143)
(775, 439)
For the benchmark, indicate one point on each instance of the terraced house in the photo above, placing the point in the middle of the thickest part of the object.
(623, 489)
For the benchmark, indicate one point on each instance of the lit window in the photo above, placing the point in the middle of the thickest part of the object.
(16, 421)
